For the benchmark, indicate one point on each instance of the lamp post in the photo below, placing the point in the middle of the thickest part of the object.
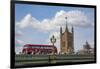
(53, 40)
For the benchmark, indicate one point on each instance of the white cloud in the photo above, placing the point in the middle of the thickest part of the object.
(18, 33)
(56, 34)
(19, 42)
(27, 21)
(78, 18)
(74, 17)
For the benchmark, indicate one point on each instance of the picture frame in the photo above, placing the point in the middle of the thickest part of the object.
(23, 60)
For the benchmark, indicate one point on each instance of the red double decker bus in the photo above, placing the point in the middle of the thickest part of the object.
(38, 49)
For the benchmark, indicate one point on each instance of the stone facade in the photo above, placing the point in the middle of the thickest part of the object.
(66, 41)
(87, 49)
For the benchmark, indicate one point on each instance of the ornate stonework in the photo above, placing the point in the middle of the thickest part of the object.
(67, 41)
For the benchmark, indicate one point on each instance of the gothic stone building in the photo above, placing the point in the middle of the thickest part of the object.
(66, 41)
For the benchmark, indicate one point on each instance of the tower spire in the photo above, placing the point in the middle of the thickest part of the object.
(72, 29)
(66, 28)
(60, 30)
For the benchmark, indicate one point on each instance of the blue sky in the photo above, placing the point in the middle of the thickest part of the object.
(36, 23)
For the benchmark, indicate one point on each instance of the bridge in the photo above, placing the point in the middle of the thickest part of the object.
(36, 60)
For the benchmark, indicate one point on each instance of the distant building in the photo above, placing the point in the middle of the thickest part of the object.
(66, 41)
(86, 49)
(86, 46)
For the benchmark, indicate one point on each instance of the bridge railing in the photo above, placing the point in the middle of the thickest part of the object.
(49, 59)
